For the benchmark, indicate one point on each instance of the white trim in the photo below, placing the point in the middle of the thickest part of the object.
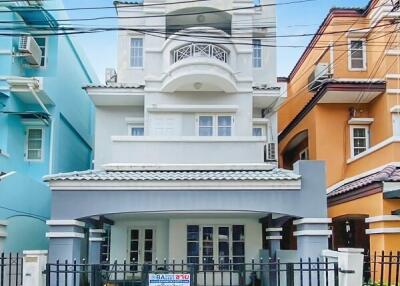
(3, 223)
(35, 252)
(383, 230)
(206, 139)
(395, 108)
(192, 108)
(364, 51)
(393, 76)
(273, 229)
(5, 52)
(350, 250)
(188, 167)
(313, 232)
(66, 234)
(390, 140)
(97, 231)
(312, 221)
(7, 175)
(392, 52)
(260, 121)
(96, 239)
(361, 175)
(134, 120)
(305, 151)
(393, 90)
(367, 138)
(360, 121)
(3, 234)
(68, 222)
(382, 218)
(42, 141)
(273, 237)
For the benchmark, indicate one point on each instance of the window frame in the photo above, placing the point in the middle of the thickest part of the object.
(367, 138)
(27, 145)
(364, 55)
(215, 125)
(136, 125)
(253, 54)
(306, 152)
(130, 52)
(263, 130)
(46, 50)
(396, 124)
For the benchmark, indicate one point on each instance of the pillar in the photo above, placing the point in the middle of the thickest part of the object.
(3, 234)
(34, 265)
(65, 240)
(312, 236)
(274, 238)
(95, 240)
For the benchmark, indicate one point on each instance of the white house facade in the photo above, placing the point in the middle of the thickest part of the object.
(185, 165)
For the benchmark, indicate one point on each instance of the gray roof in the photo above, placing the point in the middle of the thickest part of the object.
(225, 175)
(388, 174)
(265, 87)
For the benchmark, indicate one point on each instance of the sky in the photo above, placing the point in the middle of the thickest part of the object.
(300, 18)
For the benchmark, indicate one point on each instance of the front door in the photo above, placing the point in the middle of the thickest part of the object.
(141, 245)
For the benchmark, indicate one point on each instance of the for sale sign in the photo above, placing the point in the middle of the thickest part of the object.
(169, 279)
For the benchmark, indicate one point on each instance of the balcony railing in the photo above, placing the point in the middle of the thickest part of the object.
(200, 50)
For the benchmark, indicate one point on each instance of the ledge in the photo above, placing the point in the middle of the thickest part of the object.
(322, 232)
(360, 121)
(65, 235)
(65, 223)
(312, 221)
(383, 230)
(382, 218)
(204, 139)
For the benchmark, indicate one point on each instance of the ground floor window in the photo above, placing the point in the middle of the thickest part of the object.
(213, 246)
(141, 242)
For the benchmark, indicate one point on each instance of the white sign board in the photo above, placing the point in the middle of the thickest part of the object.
(169, 279)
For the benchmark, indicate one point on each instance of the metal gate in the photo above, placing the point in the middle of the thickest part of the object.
(11, 268)
(272, 273)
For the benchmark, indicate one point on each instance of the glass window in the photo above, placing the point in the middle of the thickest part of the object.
(34, 144)
(223, 247)
(303, 155)
(137, 131)
(41, 41)
(257, 131)
(224, 125)
(105, 246)
(257, 53)
(360, 140)
(192, 237)
(136, 52)
(357, 56)
(206, 125)
(238, 253)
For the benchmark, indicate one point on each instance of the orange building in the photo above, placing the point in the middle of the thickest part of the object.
(343, 107)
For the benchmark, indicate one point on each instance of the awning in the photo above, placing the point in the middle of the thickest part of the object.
(31, 115)
(36, 16)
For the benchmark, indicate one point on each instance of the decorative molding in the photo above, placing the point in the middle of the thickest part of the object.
(376, 147)
(312, 221)
(207, 139)
(97, 231)
(395, 108)
(192, 108)
(313, 232)
(393, 76)
(360, 121)
(96, 239)
(274, 229)
(66, 234)
(273, 237)
(393, 91)
(382, 218)
(383, 230)
(69, 222)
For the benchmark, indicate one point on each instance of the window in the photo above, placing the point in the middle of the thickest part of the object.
(257, 53)
(34, 144)
(258, 131)
(357, 55)
(396, 124)
(137, 130)
(136, 52)
(219, 246)
(105, 246)
(42, 43)
(359, 139)
(215, 125)
(303, 155)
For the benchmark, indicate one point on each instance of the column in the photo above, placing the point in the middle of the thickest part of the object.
(34, 265)
(312, 236)
(65, 240)
(95, 240)
(274, 238)
(3, 234)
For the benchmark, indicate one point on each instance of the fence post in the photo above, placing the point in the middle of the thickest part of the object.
(290, 274)
(34, 262)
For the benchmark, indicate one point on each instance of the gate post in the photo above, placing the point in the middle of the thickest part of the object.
(34, 262)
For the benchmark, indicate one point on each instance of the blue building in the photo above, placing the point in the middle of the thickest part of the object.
(46, 119)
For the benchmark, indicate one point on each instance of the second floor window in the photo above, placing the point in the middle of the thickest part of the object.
(34, 144)
(136, 59)
(359, 139)
(357, 55)
(257, 53)
(215, 125)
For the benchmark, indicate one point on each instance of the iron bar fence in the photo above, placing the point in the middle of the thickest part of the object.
(382, 269)
(11, 269)
(302, 273)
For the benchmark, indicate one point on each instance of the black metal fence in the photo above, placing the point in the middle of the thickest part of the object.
(11, 268)
(382, 269)
(270, 273)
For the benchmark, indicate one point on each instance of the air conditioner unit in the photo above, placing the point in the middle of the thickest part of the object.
(111, 76)
(270, 152)
(320, 73)
(30, 50)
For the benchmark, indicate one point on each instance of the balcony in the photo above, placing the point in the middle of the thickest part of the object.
(199, 67)
(187, 150)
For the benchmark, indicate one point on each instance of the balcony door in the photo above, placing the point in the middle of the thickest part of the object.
(141, 245)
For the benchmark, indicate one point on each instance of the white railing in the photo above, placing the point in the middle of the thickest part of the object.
(200, 50)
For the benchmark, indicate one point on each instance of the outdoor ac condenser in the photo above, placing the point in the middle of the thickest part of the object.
(320, 73)
(30, 49)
